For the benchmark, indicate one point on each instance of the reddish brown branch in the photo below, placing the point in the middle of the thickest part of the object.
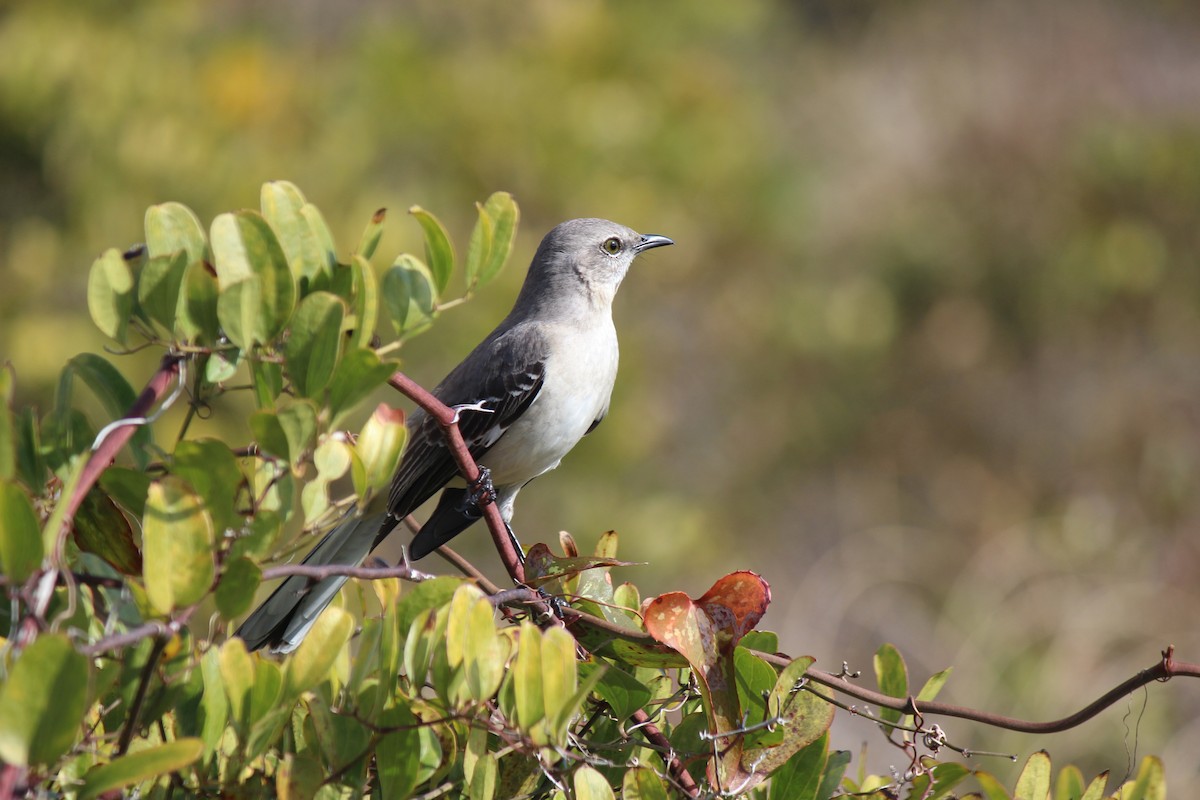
(448, 419)
(99, 461)
(331, 570)
(674, 765)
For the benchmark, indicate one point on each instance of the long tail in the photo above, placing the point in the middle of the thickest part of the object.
(286, 616)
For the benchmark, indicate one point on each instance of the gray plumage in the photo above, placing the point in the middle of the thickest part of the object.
(545, 374)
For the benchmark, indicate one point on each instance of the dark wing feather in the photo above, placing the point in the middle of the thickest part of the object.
(505, 374)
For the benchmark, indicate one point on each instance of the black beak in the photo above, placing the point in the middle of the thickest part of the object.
(651, 240)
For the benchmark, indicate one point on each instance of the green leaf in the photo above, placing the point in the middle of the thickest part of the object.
(1034, 781)
(258, 290)
(643, 783)
(945, 777)
(624, 693)
(755, 681)
(209, 467)
(332, 458)
(266, 378)
(140, 766)
(110, 294)
(240, 579)
(835, 768)
(287, 433)
(364, 301)
(410, 295)
(762, 641)
(214, 704)
(504, 215)
(174, 228)
(199, 321)
(371, 235)
(423, 596)
(237, 676)
(315, 345)
(43, 702)
(484, 779)
(1150, 783)
(479, 247)
(473, 644)
(222, 365)
(799, 778)
(158, 289)
(315, 656)
(320, 230)
(892, 675)
(281, 205)
(992, 788)
(559, 680)
(439, 252)
(360, 373)
(528, 688)
(8, 425)
(398, 754)
(1095, 789)
(934, 685)
(20, 537)
(178, 541)
(591, 785)
(379, 446)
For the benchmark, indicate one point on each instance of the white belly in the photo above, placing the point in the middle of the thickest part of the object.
(575, 394)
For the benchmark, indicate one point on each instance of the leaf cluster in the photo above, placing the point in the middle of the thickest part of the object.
(118, 673)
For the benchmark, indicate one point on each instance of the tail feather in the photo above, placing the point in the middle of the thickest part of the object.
(286, 616)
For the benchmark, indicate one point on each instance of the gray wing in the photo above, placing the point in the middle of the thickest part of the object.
(505, 374)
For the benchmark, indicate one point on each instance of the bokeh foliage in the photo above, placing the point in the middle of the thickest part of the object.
(934, 306)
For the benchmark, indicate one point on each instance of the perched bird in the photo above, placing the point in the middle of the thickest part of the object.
(529, 392)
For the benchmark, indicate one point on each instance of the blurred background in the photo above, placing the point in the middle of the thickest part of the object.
(925, 355)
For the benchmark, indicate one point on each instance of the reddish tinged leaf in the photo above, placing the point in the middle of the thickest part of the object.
(101, 529)
(542, 566)
(736, 603)
(705, 632)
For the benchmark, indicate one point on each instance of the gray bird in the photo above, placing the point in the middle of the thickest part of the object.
(544, 377)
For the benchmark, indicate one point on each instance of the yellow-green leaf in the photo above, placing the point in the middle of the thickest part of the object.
(174, 228)
(281, 205)
(20, 538)
(315, 656)
(140, 766)
(314, 345)
(110, 294)
(591, 785)
(258, 290)
(439, 252)
(371, 234)
(43, 701)
(178, 545)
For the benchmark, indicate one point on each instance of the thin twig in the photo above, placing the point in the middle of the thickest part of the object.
(455, 559)
(139, 699)
(332, 570)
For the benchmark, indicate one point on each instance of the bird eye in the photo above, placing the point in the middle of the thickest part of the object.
(611, 245)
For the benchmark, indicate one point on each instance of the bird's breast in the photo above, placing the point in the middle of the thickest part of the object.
(580, 374)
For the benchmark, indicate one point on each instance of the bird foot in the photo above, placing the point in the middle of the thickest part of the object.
(480, 492)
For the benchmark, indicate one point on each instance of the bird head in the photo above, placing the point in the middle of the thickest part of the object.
(586, 258)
